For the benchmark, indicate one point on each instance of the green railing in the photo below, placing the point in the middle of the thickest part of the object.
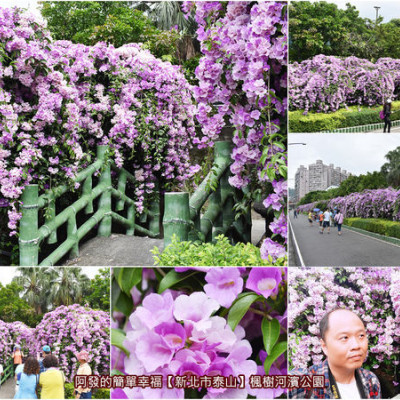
(32, 236)
(8, 369)
(182, 214)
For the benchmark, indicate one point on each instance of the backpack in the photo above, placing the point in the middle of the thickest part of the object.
(382, 115)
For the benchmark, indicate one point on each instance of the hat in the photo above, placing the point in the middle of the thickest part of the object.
(389, 101)
(17, 346)
(46, 349)
(82, 355)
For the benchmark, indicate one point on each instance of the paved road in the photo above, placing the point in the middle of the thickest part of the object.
(393, 129)
(7, 390)
(349, 249)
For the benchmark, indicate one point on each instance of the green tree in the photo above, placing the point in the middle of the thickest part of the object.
(68, 286)
(323, 28)
(14, 308)
(99, 291)
(89, 22)
(387, 39)
(391, 169)
(35, 287)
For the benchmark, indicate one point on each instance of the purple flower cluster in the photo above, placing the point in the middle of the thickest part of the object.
(58, 100)
(67, 330)
(368, 291)
(376, 203)
(175, 333)
(243, 79)
(6, 342)
(327, 83)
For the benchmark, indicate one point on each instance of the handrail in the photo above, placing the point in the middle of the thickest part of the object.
(32, 236)
(8, 370)
(182, 215)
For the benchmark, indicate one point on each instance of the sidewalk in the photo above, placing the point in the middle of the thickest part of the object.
(7, 390)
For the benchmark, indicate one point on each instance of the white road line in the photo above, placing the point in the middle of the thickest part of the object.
(295, 243)
(371, 237)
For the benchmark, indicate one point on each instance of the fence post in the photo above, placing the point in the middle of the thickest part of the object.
(28, 227)
(86, 190)
(105, 198)
(122, 178)
(72, 233)
(154, 213)
(176, 216)
(51, 214)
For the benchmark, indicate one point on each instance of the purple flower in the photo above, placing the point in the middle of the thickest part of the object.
(223, 285)
(264, 281)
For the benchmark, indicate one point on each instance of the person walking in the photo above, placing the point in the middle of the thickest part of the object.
(17, 356)
(339, 218)
(52, 380)
(310, 218)
(28, 380)
(321, 218)
(84, 369)
(387, 110)
(326, 222)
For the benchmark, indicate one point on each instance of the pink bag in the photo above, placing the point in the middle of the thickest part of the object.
(382, 115)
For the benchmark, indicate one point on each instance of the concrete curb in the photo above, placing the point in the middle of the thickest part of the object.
(374, 235)
(362, 128)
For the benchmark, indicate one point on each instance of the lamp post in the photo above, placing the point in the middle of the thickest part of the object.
(377, 12)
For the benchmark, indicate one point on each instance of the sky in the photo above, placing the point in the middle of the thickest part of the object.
(389, 9)
(357, 153)
(8, 273)
(31, 5)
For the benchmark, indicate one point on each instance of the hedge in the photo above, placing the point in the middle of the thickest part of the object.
(375, 225)
(344, 118)
(96, 394)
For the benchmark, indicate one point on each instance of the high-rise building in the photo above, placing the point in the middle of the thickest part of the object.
(318, 176)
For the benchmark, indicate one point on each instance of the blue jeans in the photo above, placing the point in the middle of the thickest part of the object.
(87, 395)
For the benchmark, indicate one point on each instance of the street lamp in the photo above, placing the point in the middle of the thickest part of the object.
(377, 12)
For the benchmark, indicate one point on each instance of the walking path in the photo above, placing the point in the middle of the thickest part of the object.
(350, 249)
(7, 389)
(122, 250)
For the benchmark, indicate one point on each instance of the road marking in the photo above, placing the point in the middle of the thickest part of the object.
(371, 237)
(296, 244)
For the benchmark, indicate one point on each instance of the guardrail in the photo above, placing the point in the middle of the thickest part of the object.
(32, 236)
(8, 370)
(182, 213)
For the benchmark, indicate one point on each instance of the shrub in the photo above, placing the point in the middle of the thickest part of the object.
(380, 226)
(96, 394)
(343, 118)
(220, 253)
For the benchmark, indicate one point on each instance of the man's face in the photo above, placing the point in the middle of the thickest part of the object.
(346, 342)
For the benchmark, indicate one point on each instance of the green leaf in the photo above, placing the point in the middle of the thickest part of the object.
(270, 331)
(124, 303)
(279, 349)
(240, 307)
(116, 372)
(117, 339)
(128, 278)
(173, 278)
